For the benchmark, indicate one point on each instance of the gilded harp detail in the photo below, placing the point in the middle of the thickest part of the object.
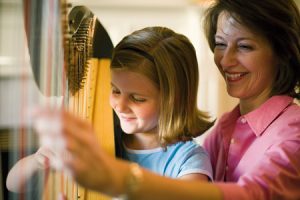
(92, 48)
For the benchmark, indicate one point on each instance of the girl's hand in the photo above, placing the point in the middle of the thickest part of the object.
(89, 165)
(43, 157)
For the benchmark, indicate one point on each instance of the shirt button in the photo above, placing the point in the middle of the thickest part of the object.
(243, 120)
(232, 141)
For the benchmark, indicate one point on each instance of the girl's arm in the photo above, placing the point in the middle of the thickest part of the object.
(26, 169)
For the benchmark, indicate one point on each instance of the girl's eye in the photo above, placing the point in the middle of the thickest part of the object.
(115, 91)
(137, 99)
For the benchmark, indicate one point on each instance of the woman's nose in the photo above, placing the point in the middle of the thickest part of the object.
(228, 58)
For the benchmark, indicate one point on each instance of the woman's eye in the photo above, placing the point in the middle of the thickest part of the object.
(245, 46)
(220, 45)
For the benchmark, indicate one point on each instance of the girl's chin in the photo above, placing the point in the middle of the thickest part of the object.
(127, 130)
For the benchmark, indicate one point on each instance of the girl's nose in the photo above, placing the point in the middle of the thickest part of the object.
(120, 104)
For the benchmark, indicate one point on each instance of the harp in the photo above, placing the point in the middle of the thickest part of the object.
(89, 97)
(70, 54)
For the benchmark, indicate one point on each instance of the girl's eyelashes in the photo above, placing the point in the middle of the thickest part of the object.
(115, 90)
(133, 97)
(137, 98)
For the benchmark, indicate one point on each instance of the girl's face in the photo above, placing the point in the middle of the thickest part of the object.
(135, 99)
(245, 60)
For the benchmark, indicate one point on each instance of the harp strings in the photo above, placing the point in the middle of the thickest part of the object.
(50, 44)
(17, 91)
(45, 23)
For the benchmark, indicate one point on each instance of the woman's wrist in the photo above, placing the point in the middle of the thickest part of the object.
(132, 181)
(126, 182)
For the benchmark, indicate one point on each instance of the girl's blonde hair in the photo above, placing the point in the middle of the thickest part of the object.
(169, 60)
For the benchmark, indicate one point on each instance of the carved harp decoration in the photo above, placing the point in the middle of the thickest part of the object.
(70, 54)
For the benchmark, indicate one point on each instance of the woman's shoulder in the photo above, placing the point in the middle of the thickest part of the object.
(291, 114)
(286, 127)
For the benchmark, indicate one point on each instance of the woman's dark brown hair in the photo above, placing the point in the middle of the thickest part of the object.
(276, 20)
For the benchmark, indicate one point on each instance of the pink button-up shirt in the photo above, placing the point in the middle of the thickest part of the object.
(258, 154)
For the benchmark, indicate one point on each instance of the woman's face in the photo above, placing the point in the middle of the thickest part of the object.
(245, 60)
(135, 99)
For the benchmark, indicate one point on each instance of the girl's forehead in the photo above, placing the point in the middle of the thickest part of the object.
(124, 73)
(132, 81)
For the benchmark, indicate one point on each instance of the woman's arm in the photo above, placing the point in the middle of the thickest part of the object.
(200, 177)
(95, 169)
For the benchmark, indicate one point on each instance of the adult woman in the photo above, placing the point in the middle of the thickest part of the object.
(257, 50)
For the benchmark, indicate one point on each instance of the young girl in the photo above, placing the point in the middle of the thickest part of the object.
(154, 73)
(154, 94)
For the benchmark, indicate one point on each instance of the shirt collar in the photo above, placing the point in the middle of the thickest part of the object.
(262, 117)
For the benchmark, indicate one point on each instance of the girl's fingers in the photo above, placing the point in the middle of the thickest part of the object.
(70, 142)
